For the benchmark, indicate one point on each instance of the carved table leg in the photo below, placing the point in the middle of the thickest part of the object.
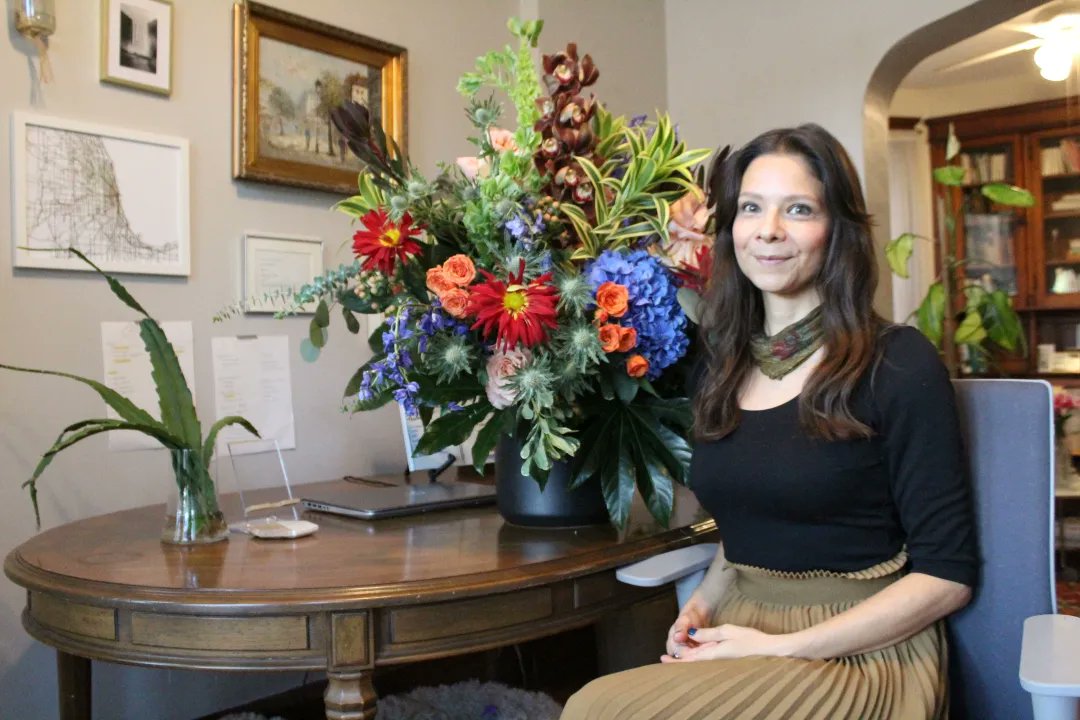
(349, 696)
(73, 679)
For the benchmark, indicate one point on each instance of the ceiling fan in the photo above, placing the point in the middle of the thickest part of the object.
(1055, 32)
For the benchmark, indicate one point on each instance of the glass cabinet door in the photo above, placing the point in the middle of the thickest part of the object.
(988, 241)
(1057, 219)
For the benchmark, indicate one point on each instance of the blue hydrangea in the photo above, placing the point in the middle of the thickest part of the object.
(653, 310)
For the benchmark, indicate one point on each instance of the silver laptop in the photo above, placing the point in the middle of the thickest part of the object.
(371, 503)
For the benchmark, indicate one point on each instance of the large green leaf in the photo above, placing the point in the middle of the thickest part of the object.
(1005, 194)
(488, 436)
(930, 315)
(626, 387)
(600, 440)
(951, 175)
(211, 437)
(971, 330)
(1001, 321)
(667, 446)
(651, 477)
(617, 481)
(452, 428)
(690, 302)
(174, 396)
(462, 389)
(898, 252)
(675, 411)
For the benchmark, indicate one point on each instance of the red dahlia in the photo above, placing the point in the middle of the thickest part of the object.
(383, 242)
(517, 311)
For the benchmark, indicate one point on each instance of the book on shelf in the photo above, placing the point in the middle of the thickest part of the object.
(1061, 159)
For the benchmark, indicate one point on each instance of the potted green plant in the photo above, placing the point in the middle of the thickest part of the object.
(987, 317)
(192, 515)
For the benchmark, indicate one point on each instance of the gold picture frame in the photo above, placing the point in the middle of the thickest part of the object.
(288, 72)
(136, 44)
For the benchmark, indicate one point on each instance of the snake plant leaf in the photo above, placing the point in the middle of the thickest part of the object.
(930, 315)
(124, 408)
(1006, 194)
(85, 429)
(951, 175)
(971, 330)
(211, 437)
(119, 290)
(898, 253)
(174, 396)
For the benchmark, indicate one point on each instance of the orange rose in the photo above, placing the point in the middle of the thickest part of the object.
(459, 270)
(612, 298)
(609, 337)
(437, 281)
(637, 366)
(599, 317)
(627, 339)
(455, 301)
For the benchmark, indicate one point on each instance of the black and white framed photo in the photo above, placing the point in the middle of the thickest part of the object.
(277, 265)
(136, 44)
(119, 196)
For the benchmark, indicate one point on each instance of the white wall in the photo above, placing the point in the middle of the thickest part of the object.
(51, 319)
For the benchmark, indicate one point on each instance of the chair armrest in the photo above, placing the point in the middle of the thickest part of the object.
(668, 567)
(1050, 655)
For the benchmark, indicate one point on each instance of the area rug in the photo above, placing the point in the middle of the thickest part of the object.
(469, 700)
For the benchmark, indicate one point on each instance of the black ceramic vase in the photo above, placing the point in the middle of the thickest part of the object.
(521, 502)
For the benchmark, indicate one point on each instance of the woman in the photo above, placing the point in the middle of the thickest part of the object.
(828, 451)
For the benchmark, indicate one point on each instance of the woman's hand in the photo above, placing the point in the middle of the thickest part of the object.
(694, 614)
(726, 642)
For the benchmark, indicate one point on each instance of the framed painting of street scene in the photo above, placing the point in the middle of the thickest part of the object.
(289, 74)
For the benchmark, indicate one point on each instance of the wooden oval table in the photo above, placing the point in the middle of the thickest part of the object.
(352, 597)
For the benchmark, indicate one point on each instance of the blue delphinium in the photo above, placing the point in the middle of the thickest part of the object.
(653, 310)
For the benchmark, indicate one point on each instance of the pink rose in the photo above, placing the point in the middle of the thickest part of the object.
(500, 368)
(472, 167)
(686, 232)
(501, 140)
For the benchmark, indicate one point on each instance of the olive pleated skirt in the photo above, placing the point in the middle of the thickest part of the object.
(906, 681)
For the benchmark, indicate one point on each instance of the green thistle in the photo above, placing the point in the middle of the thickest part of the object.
(535, 384)
(579, 346)
(450, 356)
(575, 294)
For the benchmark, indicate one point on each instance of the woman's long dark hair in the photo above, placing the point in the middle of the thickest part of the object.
(734, 309)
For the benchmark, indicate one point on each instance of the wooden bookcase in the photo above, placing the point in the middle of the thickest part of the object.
(1032, 253)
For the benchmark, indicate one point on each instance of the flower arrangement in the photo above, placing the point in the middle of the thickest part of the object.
(1064, 405)
(539, 289)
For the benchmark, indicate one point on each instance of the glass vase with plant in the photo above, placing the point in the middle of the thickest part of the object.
(193, 514)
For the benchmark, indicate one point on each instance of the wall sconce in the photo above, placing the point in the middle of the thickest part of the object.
(36, 19)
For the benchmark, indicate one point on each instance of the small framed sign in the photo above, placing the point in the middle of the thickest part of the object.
(277, 265)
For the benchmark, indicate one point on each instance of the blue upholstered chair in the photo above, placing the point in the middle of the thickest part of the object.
(1008, 431)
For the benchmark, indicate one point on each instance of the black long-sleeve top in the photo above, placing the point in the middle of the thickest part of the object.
(787, 501)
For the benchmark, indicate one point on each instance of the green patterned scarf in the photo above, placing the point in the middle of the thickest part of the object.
(788, 349)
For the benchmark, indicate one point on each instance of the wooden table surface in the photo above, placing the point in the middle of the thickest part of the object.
(355, 595)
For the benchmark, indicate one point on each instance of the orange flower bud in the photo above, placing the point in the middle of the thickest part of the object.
(627, 339)
(600, 317)
(455, 302)
(609, 337)
(437, 281)
(459, 270)
(637, 366)
(612, 298)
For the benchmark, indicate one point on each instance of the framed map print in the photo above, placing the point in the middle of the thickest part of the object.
(289, 73)
(120, 197)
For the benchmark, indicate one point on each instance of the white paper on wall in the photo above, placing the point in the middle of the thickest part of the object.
(251, 379)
